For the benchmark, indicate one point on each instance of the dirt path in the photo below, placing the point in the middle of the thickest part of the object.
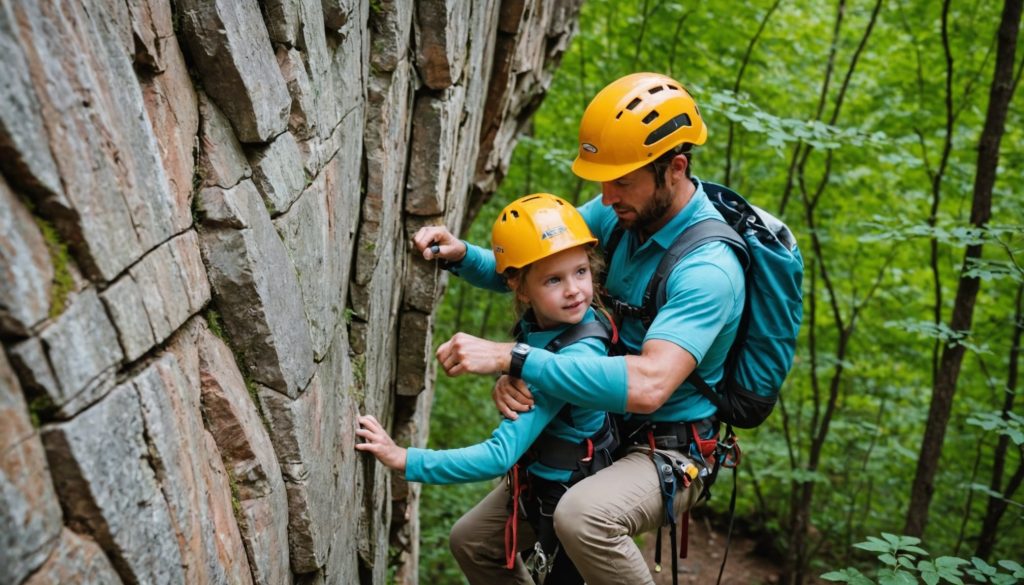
(704, 558)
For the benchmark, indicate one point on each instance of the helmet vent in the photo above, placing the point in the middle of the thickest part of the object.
(633, 104)
(515, 214)
(673, 87)
(651, 117)
(655, 90)
(680, 121)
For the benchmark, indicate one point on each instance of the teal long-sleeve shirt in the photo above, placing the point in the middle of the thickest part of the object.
(511, 439)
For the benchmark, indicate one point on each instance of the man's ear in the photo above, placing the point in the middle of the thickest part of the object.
(679, 164)
(675, 171)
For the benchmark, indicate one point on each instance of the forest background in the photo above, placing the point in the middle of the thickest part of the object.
(887, 134)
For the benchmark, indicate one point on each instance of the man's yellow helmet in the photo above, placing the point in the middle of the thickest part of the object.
(534, 227)
(632, 122)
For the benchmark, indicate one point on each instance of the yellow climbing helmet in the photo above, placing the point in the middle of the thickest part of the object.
(534, 227)
(632, 122)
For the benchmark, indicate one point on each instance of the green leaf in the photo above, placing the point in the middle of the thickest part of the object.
(897, 578)
(873, 546)
(848, 575)
(951, 563)
(1013, 567)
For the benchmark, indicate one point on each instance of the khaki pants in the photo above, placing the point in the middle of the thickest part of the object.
(478, 542)
(596, 521)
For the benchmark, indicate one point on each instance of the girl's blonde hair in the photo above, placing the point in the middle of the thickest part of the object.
(514, 278)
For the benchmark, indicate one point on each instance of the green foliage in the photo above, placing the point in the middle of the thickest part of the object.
(358, 388)
(1012, 425)
(236, 499)
(40, 408)
(213, 322)
(884, 253)
(63, 282)
(901, 562)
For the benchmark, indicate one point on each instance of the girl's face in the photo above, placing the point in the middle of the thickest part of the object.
(559, 288)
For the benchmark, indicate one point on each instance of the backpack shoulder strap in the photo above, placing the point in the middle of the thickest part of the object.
(580, 331)
(609, 251)
(613, 241)
(709, 230)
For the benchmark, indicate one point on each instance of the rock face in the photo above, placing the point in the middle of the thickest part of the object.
(205, 209)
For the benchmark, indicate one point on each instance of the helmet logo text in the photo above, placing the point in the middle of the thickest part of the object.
(550, 233)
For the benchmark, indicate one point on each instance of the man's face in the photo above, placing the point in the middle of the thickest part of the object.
(636, 200)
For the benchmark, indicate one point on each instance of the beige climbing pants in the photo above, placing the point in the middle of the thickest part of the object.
(596, 521)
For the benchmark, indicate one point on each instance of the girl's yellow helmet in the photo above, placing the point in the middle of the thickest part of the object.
(534, 227)
(633, 121)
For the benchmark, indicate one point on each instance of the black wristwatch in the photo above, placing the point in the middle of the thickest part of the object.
(519, 351)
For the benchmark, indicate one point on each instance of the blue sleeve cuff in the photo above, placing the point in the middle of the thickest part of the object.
(477, 267)
(600, 383)
(414, 464)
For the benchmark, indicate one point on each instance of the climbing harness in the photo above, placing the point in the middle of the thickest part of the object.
(533, 498)
(706, 458)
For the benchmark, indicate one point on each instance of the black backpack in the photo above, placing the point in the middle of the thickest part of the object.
(762, 354)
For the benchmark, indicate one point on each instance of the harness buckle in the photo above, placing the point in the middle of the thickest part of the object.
(729, 452)
(540, 563)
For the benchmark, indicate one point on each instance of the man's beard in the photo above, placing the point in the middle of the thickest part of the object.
(652, 213)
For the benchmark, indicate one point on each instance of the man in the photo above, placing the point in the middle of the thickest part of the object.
(636, 138)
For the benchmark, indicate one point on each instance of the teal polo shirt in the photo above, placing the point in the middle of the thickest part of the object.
(704, 303)
(511, 439)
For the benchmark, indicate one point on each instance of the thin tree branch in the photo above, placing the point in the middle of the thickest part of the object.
(640, 36)
(739, 80)
(933, 214)
(675, 42)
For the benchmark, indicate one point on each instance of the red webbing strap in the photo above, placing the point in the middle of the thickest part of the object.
(590, 452)
(512, 523)
(611, 324)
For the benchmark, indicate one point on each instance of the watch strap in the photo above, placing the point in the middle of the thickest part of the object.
(519, 351)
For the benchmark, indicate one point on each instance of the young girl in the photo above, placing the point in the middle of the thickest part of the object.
(546, 254)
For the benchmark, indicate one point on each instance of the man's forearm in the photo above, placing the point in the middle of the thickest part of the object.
(591, 382)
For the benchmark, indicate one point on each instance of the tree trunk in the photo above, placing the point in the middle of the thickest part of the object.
(997, 506)
(967, 292)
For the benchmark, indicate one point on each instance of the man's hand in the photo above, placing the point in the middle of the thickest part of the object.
(379, 443)
(466, 354)
(435, 242)
(511, 396)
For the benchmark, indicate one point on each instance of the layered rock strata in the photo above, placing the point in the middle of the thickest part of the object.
(205, 276)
